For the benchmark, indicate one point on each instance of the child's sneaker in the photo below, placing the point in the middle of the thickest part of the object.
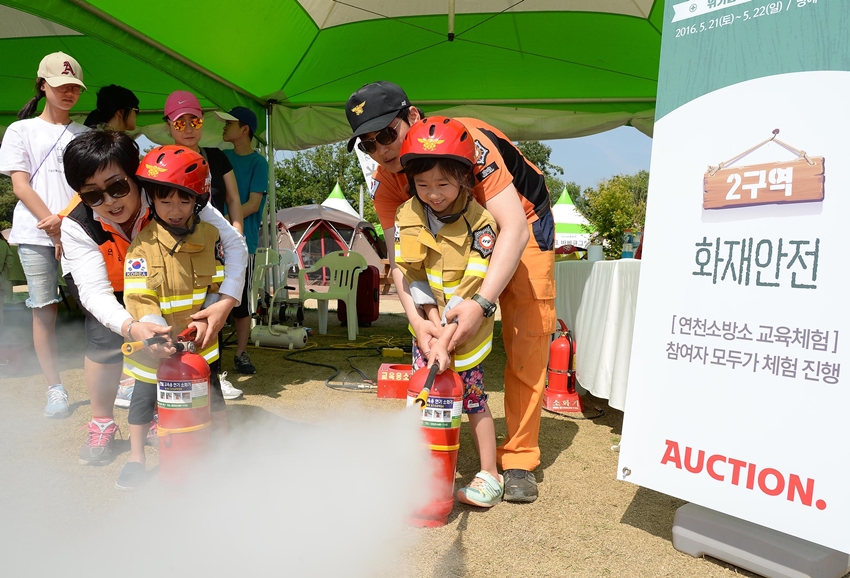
(242, 364)
(125, 392)
(57, 402)
(227, 389)
(132, 476)
(485, 491)
(98, 447)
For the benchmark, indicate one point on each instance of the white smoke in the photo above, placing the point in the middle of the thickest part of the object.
(281, 499)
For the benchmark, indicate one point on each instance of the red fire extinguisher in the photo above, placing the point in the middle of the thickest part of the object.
(183, 398)
(441, 399)
(561, 395)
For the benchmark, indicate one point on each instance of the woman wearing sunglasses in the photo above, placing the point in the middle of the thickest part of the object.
(31, 155)
(185, 122)
(117, 109)
(107, 213)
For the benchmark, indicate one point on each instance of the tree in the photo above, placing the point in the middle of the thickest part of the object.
(307, 177)
(8, 200)
(617, 204)
(538, 153)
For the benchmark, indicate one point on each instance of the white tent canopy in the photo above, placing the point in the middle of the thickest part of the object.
(569, 223)
(336, 200)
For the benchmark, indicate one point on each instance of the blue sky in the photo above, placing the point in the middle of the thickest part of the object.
(587, 160)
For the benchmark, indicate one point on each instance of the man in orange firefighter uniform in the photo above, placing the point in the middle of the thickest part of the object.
(521, 271)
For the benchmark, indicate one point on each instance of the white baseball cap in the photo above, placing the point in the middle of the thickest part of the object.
(59, 69)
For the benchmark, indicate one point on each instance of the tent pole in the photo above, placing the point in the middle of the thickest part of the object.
(271, 232)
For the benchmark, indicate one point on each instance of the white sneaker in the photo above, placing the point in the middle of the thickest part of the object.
(125, 392)
(227, 389)
(57, 402)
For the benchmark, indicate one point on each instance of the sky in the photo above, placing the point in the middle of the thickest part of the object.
(587, 160)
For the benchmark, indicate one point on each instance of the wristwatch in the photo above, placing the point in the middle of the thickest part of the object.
(489, 308)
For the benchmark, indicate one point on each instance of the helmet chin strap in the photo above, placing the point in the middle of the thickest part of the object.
(179, 233)
(450, 218)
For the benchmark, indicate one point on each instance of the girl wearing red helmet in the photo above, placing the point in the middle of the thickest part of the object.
(443, 247)
(172, 270)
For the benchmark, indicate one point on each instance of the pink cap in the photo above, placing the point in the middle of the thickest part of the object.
(182, 102)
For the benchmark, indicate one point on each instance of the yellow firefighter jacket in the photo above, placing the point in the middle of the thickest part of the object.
(173, 286)
(451, 263)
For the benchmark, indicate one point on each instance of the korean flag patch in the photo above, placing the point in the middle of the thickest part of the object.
(484, 241)
(135, 268)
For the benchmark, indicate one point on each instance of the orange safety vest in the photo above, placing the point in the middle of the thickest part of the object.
(112, 244)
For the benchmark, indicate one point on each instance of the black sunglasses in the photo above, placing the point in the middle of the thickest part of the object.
(116, 190)
(386, 137)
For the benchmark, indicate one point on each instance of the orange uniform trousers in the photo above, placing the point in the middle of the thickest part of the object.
(528, 321)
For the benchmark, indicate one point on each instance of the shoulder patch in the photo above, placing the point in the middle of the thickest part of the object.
(486, 171)
(135, 268)
(484, 241)
(481, 153)
(219, 251)
(373, 186)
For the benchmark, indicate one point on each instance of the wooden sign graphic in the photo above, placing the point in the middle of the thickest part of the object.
(798, 181)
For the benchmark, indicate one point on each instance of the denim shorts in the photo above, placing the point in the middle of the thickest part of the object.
(42, 271)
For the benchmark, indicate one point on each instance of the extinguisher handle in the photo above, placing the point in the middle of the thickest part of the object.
(188, 334)
(422, 398)
(563, 325)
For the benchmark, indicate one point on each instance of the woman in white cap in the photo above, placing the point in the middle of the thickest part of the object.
(31, 154)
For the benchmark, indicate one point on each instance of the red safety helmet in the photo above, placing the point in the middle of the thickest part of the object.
(178, 167)
(438, 137)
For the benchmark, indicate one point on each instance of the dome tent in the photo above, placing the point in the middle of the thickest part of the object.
(313, 231)
(569, 223)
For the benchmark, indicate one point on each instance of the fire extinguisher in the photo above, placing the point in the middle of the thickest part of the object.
(561, 395)
(183, 398)
(441, 400)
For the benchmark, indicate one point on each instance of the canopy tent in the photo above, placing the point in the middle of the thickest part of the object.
(569, 223)
(313, 231)
(537, 69)
(336, 200)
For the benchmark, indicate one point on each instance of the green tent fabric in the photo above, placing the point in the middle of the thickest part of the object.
(569, 223)
(537, 69)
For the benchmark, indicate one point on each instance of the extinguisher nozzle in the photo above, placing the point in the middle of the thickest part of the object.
(422, 398)
(132, 347)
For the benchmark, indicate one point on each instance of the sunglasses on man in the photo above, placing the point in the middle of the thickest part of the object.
(115, 189)
(386, 137)
(180, 125)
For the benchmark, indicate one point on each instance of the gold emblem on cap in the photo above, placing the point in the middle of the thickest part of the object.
(358, 110)
(430, 143)
(154, 170)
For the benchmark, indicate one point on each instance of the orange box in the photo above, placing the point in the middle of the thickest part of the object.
(393, 379)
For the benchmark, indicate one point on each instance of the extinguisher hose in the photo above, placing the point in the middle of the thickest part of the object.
(134, 346)
(422, 398)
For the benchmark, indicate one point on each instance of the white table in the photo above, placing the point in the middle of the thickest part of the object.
(604, 328)
(570, 279)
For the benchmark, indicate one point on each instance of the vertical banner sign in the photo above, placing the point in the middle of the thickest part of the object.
(739, 387)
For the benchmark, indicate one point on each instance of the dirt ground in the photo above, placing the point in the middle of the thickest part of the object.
(586, 523)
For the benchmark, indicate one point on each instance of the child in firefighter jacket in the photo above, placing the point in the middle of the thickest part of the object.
(172, 270)
(444, 242)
